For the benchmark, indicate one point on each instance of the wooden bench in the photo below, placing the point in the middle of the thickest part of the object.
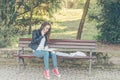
(61, 45)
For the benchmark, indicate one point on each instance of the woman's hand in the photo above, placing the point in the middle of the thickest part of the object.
(42, 33)
(46, 47)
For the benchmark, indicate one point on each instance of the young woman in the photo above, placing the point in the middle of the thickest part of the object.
(39, 46)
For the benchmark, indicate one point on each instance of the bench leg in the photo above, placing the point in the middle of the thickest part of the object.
(90, 64)
(19, 63)
(23, 62)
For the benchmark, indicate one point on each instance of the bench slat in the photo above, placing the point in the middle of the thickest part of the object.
(65, 50)
(72, 40)
(73, 47)
(61, 40)
(25, 39)
(81, 57)
(60, 43)
(68, 44)
(25, 56)
(22, 42)
(62, 46)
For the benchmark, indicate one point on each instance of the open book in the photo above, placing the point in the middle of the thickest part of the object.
(51, 50)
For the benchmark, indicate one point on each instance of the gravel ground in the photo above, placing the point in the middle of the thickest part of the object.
(11, 72)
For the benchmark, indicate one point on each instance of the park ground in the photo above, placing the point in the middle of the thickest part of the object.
(9, 71)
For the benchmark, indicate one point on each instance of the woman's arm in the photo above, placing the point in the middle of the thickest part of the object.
(35, 37)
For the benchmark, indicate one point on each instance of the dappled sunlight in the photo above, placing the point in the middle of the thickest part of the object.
(66, 24)
(71, 25)
(89, 32)
(65, 30)
(64, 35)
(68, 14)
(88, 36)
(58, 27)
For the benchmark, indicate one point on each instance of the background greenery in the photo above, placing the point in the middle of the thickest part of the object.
(19, 18)
(107, 16)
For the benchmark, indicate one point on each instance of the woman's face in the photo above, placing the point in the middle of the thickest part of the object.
(46, 28)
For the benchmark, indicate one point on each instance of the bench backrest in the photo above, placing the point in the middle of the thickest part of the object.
(63, 44)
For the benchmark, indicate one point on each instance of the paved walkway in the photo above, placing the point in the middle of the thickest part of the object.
(10, 72)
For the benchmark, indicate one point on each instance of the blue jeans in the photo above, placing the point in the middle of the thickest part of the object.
(46, 55)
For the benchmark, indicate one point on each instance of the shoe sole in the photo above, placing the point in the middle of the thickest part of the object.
(56, 74)
(46, 77)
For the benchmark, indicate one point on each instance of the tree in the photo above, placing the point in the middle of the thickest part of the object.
(37, 8)
(110, 28)
(79, 33)
(108, 20)
(11, 11)
(106, 14)
(8, 16)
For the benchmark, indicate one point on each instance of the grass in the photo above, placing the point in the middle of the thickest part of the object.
(65, 26)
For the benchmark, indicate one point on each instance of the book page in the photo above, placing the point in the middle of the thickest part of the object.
(51, 49)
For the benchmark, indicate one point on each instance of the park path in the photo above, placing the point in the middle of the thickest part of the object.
(10, 72)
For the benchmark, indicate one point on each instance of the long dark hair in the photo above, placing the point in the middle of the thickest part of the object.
(43, 25)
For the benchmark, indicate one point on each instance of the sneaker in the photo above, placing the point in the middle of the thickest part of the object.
(55, 71)
(46, 74)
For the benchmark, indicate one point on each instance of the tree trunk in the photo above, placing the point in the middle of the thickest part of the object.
(83, 19)
(30, 25)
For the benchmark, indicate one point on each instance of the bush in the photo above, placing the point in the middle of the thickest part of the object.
(108, 19)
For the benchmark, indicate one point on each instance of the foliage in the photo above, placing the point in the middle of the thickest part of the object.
(8, 16)
(35, 11)
(108, 18)
(14, 13)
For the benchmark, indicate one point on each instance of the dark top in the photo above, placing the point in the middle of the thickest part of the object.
(36, 39)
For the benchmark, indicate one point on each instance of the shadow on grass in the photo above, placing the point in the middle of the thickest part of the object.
(71, 25)
(65, 30)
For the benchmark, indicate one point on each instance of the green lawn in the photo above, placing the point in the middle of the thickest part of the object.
(65, 26)
(67, 23)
